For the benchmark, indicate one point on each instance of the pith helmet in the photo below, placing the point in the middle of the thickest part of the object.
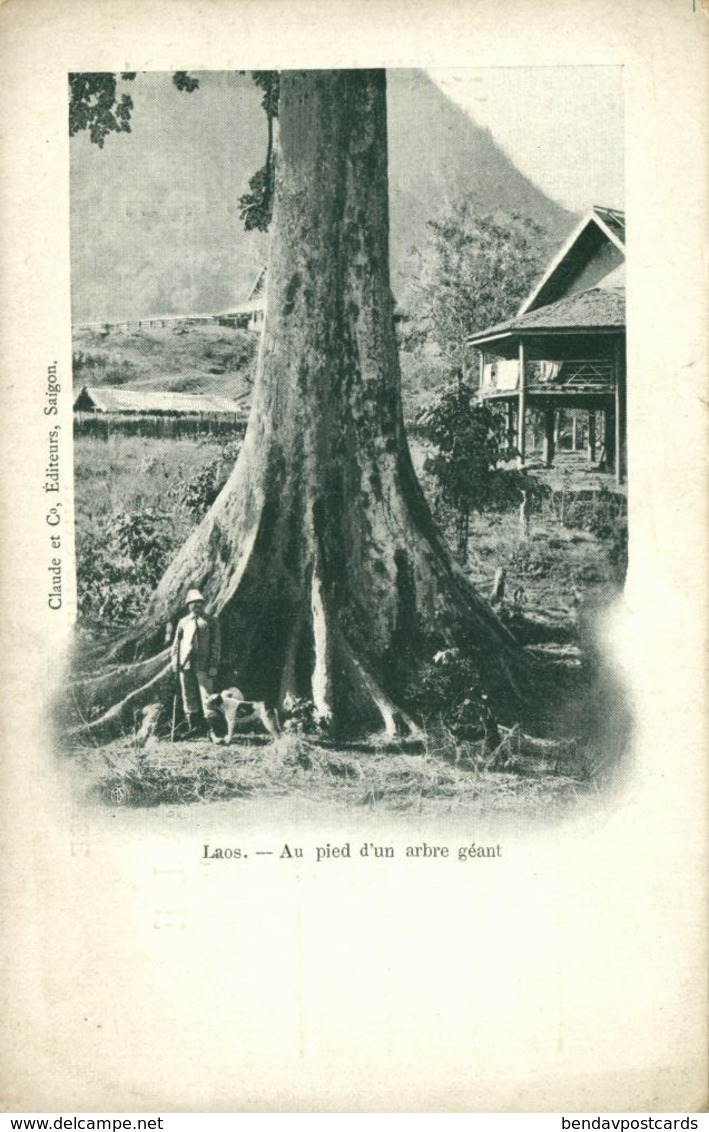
(193, 595)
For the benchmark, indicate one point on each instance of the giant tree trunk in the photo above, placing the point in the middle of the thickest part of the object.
(320, 556)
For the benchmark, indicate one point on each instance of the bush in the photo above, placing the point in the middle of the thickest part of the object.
(81, 360)
(301, 717)
(120, 374)
(467, 441)
(606, 517)
(602, 515)
(184, 385)
(506, 486)
(199, 493)
(119, 563)
(448, 690)
(142, 542)
(232, 353)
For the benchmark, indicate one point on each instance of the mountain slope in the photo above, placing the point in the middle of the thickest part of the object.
(436, 153)
(154, 215)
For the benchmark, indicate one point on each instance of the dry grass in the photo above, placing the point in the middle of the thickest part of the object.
(565, 577)
(130, 473)
(523, 776)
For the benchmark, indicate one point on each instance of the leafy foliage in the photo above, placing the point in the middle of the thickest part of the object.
(606, 517)
(468, 442)
(184, 81)
(199, 493)
(301, 717)
(233, 353)
(256, 206)
(509, 486)
(467, 437)
(104, 371)
(84, 359)
(474, 270)
(120, 374)
(448, 690)
(138, 501)
(94, 105)
(119, 564)
(270, 83)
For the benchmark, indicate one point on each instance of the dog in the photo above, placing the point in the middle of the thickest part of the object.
(233, 708)
(150, 718)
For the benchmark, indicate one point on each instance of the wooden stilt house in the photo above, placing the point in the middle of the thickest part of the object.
(565, 349)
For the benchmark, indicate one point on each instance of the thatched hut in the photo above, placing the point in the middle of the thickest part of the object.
(101, 410)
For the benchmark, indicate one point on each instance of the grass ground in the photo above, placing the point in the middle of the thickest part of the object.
(374, 782)
(182, 358)
(130, 473)
(561, 578)
(199, 358)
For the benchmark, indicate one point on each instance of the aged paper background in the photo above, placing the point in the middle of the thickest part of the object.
(570, 977)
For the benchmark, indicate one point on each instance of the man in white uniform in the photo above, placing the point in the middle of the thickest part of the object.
(195, 658)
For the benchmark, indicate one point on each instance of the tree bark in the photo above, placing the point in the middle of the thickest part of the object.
(320, 556)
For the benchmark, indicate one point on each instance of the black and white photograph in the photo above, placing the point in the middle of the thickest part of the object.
(354, 508)
(349, 438)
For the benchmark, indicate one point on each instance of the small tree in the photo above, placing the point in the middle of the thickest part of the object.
(467, 440)
(474, 270)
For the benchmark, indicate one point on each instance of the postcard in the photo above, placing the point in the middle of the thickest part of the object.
(354, 557)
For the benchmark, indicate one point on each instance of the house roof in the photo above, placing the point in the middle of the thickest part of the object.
(112, 399)
(256, 300)
(600, 308)
(249, 307)
(258, 289)
(599, 228)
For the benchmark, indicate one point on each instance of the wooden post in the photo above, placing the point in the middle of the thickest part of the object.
(521, 408)
(617, 446)
(550, 428)
(591, 436)
(510, 424)
(609, 436)
(574, 430)
(525, 511)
